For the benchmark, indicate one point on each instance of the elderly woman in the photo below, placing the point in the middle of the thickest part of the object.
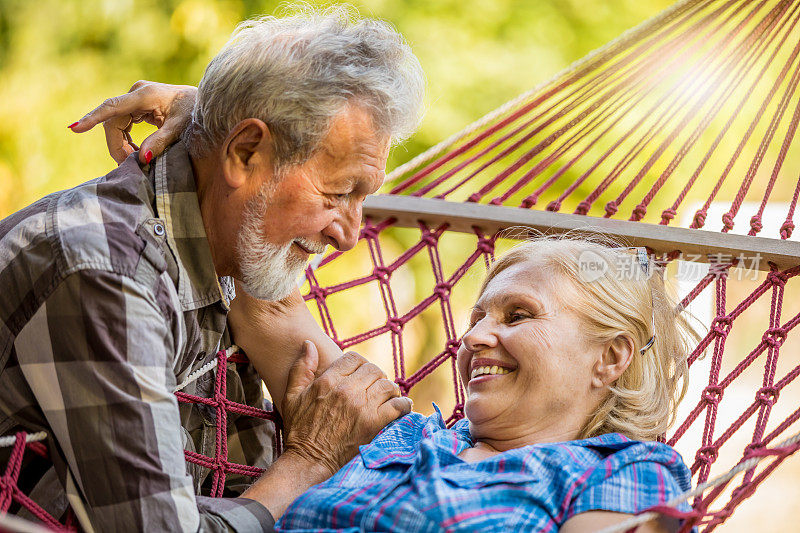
(570, 376)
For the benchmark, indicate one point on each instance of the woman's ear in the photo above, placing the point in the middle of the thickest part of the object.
(247, 151)
(615, 359)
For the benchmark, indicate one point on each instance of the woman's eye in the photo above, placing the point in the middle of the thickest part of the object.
(516, 317)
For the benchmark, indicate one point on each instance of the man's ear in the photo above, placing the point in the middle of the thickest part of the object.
(247, 151)
(615, 359)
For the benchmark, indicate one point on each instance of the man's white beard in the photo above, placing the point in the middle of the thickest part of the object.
(269, 271)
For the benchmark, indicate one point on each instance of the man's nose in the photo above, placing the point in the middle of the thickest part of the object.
(344, 229)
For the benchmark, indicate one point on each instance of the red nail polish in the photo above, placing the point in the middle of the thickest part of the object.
(148, 155)
(73, 125)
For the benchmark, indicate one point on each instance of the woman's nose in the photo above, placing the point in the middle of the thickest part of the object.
(481, 335)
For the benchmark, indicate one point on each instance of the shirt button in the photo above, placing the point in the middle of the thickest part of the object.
(158, 229)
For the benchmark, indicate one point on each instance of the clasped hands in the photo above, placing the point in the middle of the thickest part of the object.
(332, 402)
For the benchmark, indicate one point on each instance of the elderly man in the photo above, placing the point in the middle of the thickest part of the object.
(117, 290)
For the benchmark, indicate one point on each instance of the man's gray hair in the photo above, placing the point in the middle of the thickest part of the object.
(297, 72)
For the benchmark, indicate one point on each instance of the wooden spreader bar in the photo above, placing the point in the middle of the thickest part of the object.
(756, 252)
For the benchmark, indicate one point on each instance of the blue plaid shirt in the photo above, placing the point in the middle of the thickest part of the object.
(409, 478)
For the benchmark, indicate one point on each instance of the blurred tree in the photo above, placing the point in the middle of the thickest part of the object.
(58, 59)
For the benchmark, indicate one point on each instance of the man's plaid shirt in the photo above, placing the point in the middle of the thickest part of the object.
(109, 300)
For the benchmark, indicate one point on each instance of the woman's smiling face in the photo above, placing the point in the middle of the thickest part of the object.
(525, 360)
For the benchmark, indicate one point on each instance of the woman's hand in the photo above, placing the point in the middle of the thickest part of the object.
(167, 107)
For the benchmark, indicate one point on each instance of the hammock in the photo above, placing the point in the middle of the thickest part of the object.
(683, 122)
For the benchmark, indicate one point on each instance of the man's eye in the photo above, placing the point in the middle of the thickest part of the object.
(473, 321)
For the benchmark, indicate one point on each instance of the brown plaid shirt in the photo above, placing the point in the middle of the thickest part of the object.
(109, 300)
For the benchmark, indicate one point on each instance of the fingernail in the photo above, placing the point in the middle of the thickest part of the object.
(148, 155)
(73, 125)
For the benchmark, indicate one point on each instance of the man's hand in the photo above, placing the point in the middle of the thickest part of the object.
(167, 107)
(327, 418)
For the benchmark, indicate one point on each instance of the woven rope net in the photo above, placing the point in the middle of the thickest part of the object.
(686, 121)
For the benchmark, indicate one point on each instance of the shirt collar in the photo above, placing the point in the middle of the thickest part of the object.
(177, 204)
(402, 441)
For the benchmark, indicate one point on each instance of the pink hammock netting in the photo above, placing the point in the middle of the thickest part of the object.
(693, 112)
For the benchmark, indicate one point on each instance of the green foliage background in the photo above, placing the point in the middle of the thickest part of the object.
(60, 58)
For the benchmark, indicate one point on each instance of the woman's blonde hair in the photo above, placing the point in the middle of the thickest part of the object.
(614, 291)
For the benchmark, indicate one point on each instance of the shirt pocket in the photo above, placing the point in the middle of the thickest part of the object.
(470, 478)
(192, 469)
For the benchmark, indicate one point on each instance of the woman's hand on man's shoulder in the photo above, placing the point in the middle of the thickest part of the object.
(167, 107)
